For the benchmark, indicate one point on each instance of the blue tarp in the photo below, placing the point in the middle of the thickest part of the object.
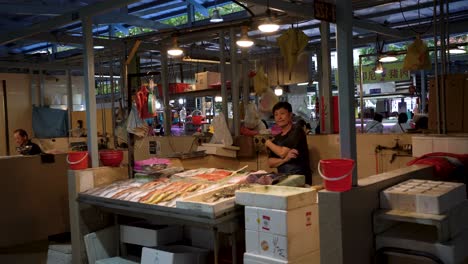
(49, 122)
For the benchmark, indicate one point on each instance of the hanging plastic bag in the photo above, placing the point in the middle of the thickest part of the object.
(417, 56)
(136, 125)
(251, 116)
(260, 81)
(267, 101)
(292, 43)
(221, 135)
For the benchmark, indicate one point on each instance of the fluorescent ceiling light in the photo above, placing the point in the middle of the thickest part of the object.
(107, 76)
(389, 96)
(98, 47)
(457, 51)
(303, 84)
(188, 59)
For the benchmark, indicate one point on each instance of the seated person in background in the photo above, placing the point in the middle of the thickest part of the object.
(422, 123)
(401, 126)
(25, 146)
(288, 152)
(306, 126)
(374, 126)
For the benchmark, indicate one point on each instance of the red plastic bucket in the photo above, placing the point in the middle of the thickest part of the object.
(111, 158)
(77, 160)
(337, 174)
(197, 120)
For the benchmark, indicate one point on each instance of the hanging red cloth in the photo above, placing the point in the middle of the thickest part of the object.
(142, 103)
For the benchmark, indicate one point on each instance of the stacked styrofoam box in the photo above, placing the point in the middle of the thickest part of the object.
(281, 224)
(421, 196)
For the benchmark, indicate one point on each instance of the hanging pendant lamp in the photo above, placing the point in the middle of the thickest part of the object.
(244, 41)
(175, 50)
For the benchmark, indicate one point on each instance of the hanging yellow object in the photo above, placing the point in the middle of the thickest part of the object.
(417, 56)
(260, 82)
(291, 44)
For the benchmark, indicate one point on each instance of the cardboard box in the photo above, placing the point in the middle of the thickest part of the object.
(204, 79)
(276, 197)
(150, 235)
(286, 223)
(176, 254)
(310, 258)
(219, 149)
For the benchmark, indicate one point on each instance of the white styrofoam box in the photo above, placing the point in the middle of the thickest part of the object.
(251, 241)
(102, 244)
(310, 258)
(276, 197)
(251, 218)
(150, 235)
(422, 238)
(59, 254)
(287, 247)
(176, 254)
(201, 237)
(116, 260)
(421, 196)
(301, 220)
(58, 257)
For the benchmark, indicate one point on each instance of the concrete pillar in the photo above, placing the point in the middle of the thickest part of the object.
(90, 91)
(344, 46)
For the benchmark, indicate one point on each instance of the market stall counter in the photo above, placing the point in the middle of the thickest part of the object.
(102, 195)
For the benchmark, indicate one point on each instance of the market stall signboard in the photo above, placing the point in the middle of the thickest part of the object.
(325, 11)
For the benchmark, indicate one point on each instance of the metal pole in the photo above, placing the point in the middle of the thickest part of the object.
(32, 87)
(90, 91)
(361, 93)
(423, 91)
(222, 67)
(165, 92)
(344, 46)
(325, 77)
(245, 78)
(234, 83)
(436, 71)
(41, 88)
(443, 60)
(5, 112)
(69, 99)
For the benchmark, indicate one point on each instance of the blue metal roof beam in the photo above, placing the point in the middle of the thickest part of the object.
(65, 19)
